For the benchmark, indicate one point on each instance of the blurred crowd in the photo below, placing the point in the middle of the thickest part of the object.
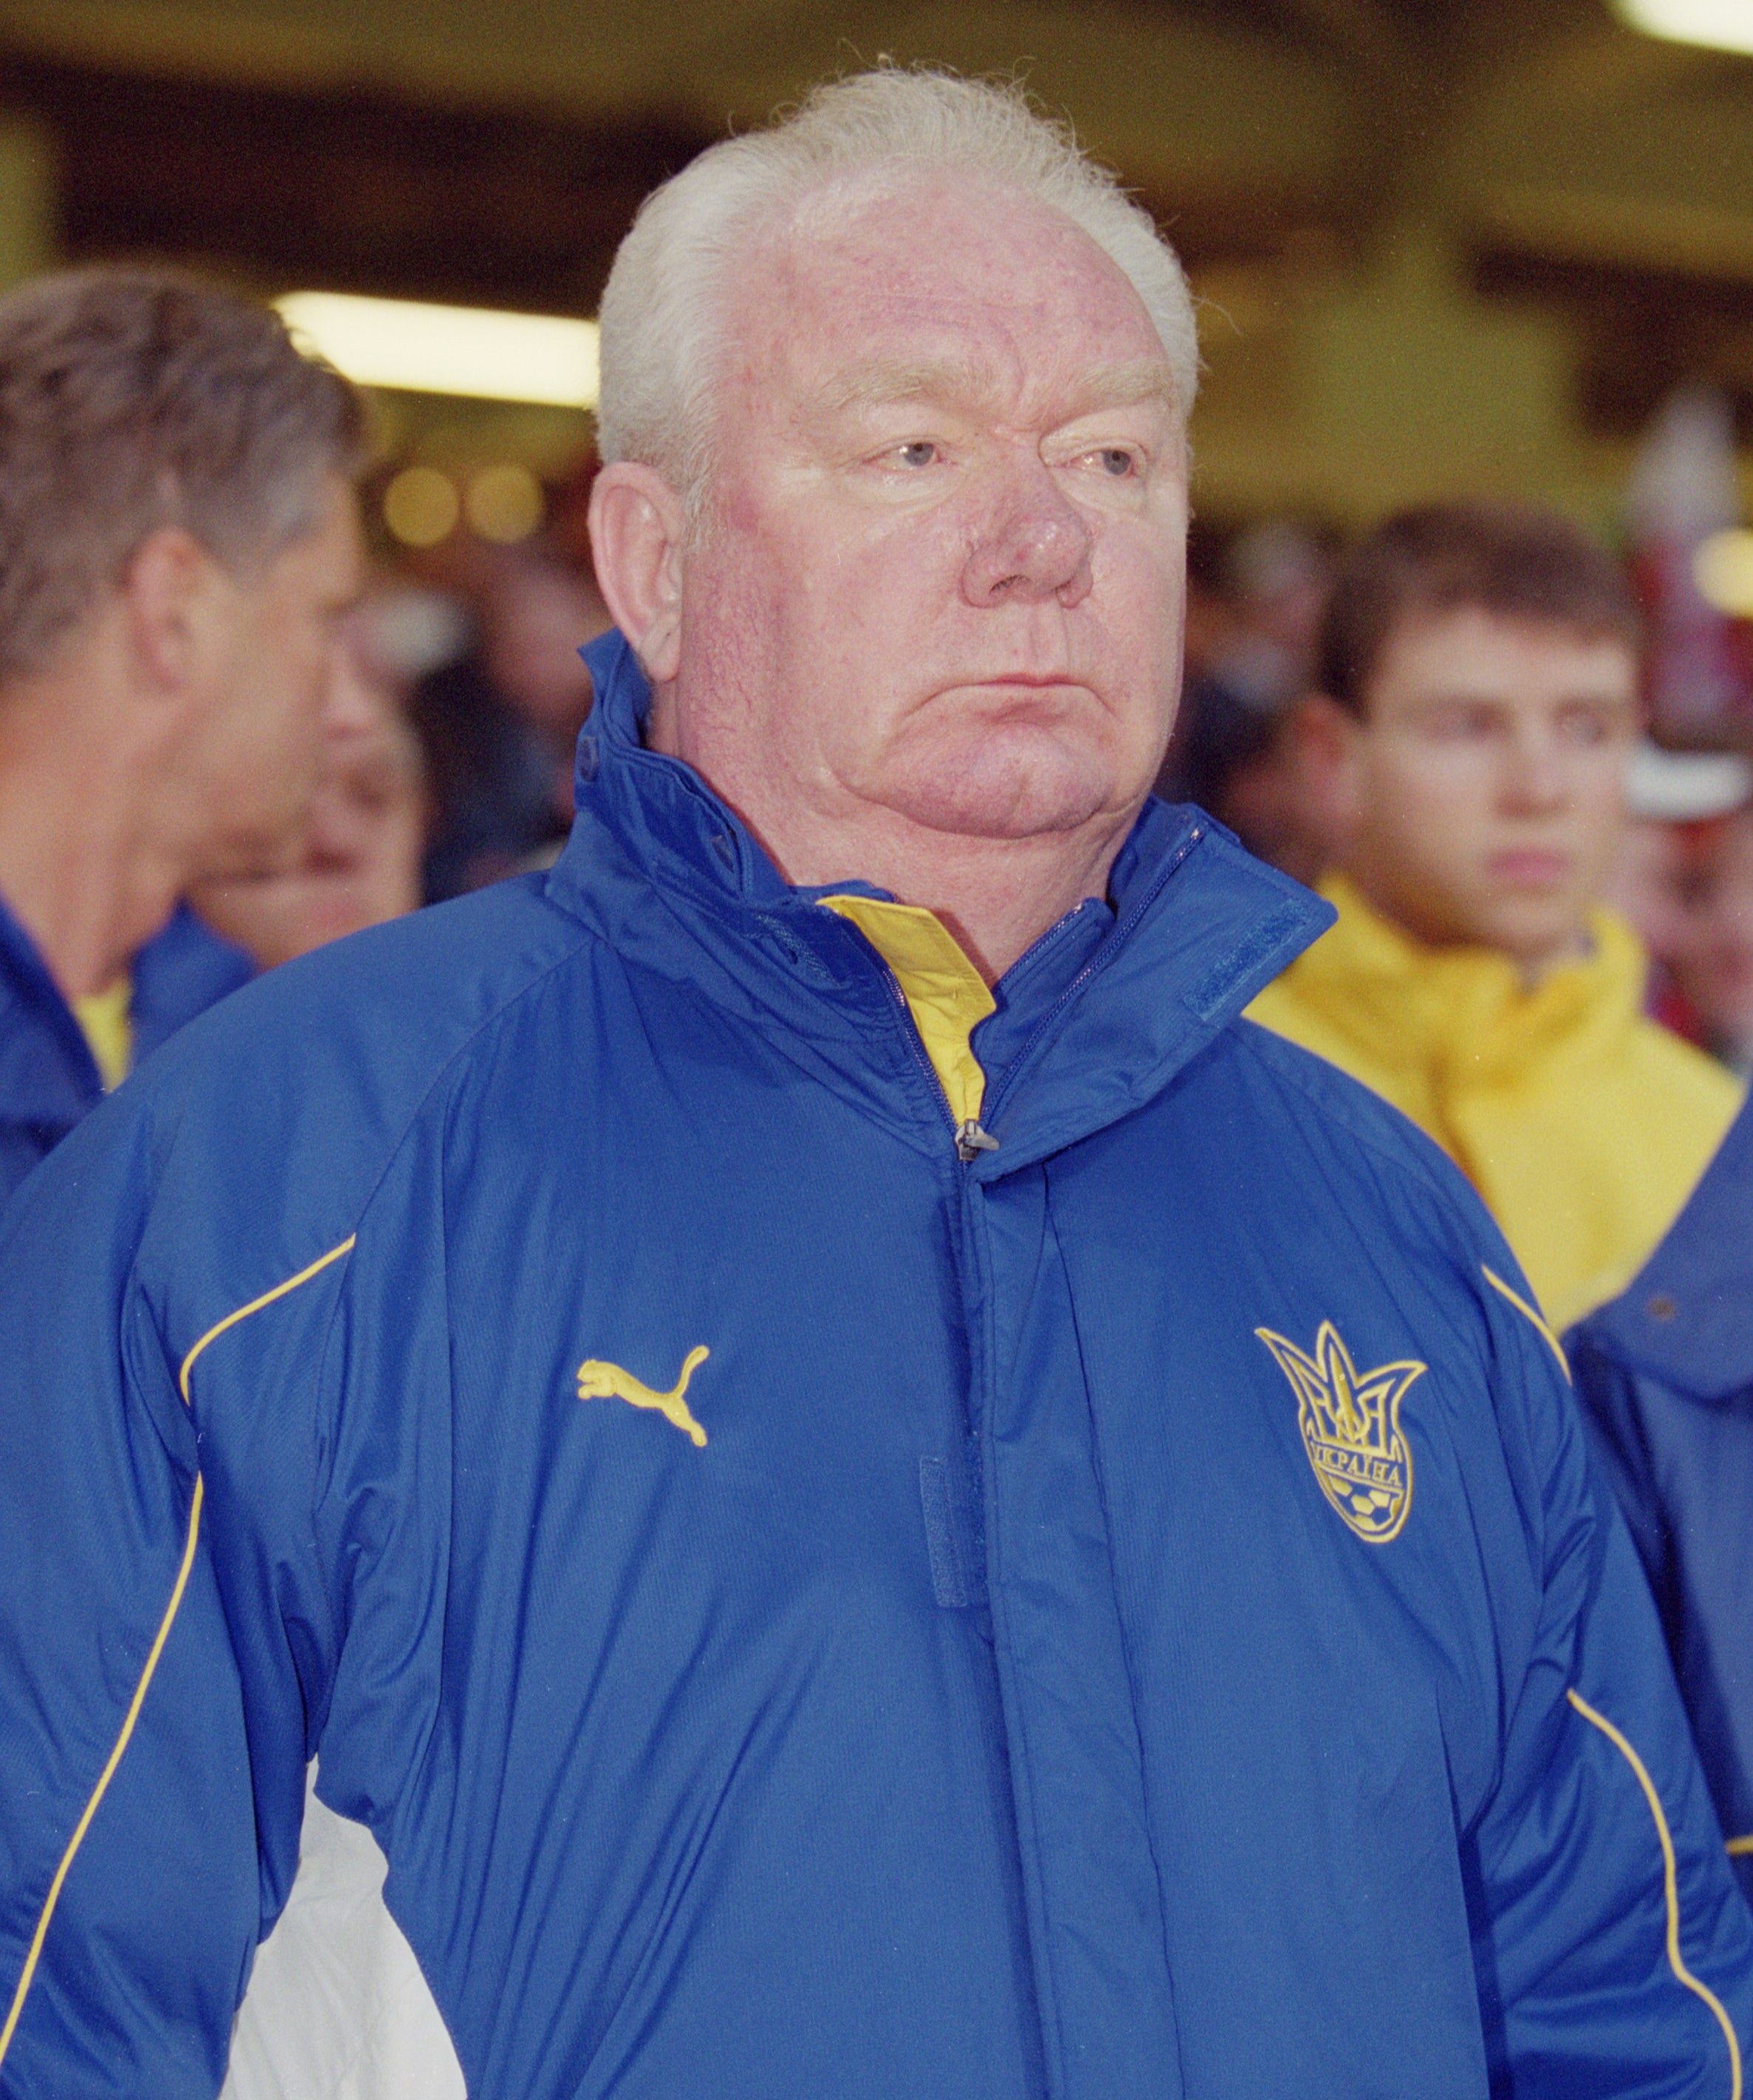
(1445, 723)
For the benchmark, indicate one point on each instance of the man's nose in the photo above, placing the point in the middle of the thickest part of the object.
(1035, 546)
(1536, 782)
(349, 705)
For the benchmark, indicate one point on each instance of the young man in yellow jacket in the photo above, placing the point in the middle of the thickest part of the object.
(1477, 705)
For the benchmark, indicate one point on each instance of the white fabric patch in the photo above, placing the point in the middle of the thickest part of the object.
(336, 2007)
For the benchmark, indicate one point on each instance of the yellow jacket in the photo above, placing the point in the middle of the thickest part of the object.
(1583, 1124)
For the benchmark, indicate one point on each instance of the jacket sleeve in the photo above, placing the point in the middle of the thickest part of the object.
(138, 1845)
(1607, 1395)
(1613, 1952)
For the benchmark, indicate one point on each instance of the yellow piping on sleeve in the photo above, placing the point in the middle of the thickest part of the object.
(1670, 1885)
(27, 1975)
(1740, 1846)
(255, 1304)
(1531, 1313)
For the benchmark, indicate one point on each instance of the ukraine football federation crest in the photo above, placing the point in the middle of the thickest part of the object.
(1350, 1424)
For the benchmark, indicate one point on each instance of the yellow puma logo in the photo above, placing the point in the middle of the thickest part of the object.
(602, 1380)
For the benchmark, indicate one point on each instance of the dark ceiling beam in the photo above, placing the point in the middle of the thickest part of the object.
(361, 191)
(348, 190)
(1641, 331)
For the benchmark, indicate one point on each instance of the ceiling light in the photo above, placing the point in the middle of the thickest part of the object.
(477, 351)
(1726, 25)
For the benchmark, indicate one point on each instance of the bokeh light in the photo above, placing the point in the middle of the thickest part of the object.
(504, 504)
(421, 507)
(1723, 570)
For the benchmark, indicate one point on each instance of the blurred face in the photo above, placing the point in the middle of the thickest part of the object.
(1717, 969)
(271, 666)
(1483, 795)
(363, 837)
(939, 588)
(538, 620)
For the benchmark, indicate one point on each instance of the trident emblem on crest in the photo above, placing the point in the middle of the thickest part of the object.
(1350, 1425)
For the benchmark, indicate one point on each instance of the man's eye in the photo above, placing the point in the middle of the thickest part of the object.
(921, 452)
(1460, 724)
(1585, 726)
(1116, 460)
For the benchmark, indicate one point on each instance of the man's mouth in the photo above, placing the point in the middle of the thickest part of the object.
(1531, 867)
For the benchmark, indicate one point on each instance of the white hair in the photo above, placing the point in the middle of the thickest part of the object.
(663, 304)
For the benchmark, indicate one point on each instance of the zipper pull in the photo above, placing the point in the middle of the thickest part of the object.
(971, 1141)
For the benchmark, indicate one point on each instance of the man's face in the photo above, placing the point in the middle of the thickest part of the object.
(940, 582)
(361, 837)
(275, 665)
(1486, 786)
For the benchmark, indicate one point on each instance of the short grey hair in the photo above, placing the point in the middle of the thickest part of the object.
(664, 300)
(134, 398)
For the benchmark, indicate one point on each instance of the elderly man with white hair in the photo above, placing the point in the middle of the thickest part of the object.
(863, 1489)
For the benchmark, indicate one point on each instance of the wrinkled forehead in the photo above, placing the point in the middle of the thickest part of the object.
(911, 285)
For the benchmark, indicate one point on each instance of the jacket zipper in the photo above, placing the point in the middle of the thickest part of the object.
(971, 1138)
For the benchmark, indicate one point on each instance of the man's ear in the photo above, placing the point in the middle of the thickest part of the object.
(167, 595)
(1328, 740)
(637, 523)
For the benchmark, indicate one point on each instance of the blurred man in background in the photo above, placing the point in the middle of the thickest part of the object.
(1677, 804)
(498, 725)
(359, 862)
(178, 538)
(1714, 969)
(1253, 617)
(1665, 1375)
(1476, 710)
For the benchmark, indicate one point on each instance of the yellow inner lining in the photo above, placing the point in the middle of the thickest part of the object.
(946, 994)
(102, 1017)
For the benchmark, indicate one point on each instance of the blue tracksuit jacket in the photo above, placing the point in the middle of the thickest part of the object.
(1125, 1614)
(1666, 1374)
(48, 1076)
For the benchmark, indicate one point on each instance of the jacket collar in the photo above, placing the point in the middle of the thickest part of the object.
(48, 1076)
(1464, 1014)
(673, 879)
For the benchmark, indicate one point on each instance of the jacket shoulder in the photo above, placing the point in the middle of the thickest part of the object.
(1399, 1187)
(256, 1137)
(1289, 1009)
(412, 994)
(1307, 1080)
(1363, 1219)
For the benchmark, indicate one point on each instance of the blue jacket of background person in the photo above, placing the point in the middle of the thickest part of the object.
(1124, 1614)
(48, 1076)
(1665, 1375)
